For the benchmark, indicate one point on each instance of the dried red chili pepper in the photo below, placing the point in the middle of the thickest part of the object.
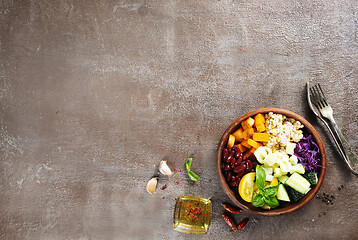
(230, 208)
(230, 222)
(242, 224)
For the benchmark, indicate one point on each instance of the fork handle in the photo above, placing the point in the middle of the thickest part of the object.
(350, 154)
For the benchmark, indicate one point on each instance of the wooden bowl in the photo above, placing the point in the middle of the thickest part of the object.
(284, 207)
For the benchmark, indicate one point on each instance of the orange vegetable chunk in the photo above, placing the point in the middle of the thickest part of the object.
(240, 135)
(245, 144)
(248, 154)
(261, 127)
(259, 119)
(248, 123)
(231, 141)
(260, 137)
(253, 143)
(249, 132)
(241, 147)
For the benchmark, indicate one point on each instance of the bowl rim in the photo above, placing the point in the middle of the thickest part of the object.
(321, 171)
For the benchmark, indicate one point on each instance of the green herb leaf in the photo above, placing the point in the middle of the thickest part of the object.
(188, 164)
(258, 200)
(269, 191)
(193, 176)
(272, 202)
(260, 177)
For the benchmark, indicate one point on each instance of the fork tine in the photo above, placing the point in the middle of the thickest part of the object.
(316, 101)
(313, 96)
(323, 96)
(315, 93)
(319, 96)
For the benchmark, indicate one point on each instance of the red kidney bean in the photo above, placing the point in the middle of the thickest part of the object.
(244, 157)
(231, 153)
(238, 153)
(248, 165)
(233, 160)
(232, 184)
(240, 174)
(254, 164)
(229, 159)
(242, 166)
(225, 153)
(238, 161)
(235, 149)
(228, 176)
(238, 180)
(227, 167)
(233, 178)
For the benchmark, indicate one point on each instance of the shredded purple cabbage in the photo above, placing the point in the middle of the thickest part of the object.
(307, 152)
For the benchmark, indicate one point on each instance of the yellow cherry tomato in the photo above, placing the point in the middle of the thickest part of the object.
(246, 186)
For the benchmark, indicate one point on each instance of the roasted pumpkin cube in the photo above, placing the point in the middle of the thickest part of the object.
(249, 132)
(240, 135)
(245, 144)
(259, 119)
(248, 123)
(261, 127)
(253, 143)
(247, 154)
(252, 150)
(231, 141)
(260, 137)
(241, 147)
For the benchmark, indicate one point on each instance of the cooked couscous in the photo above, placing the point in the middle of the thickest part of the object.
(282, 130)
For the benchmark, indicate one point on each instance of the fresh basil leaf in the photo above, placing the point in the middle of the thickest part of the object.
(193, 176)
(258, 200)
(272, 202)
(260, 177)
(270, 191)
(188, 164)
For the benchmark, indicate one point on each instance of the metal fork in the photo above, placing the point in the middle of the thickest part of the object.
(319, 99)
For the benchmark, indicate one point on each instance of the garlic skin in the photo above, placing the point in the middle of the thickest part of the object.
(152, 185)
(164, 169)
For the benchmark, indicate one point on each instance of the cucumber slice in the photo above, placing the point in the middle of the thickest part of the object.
(294, 195)
(299, 183)
(283, 178)
(311, 177)
(282, 194)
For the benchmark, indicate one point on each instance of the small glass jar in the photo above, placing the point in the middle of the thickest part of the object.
(192, 215)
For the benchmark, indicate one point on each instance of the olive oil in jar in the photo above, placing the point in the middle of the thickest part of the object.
(192, 215)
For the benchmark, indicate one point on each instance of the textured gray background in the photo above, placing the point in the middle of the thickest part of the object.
(93, 94)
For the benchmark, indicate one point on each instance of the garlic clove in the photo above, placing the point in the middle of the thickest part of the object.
(152, 185)
(164, 169)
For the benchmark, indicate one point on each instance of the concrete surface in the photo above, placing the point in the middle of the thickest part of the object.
(93, 94)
